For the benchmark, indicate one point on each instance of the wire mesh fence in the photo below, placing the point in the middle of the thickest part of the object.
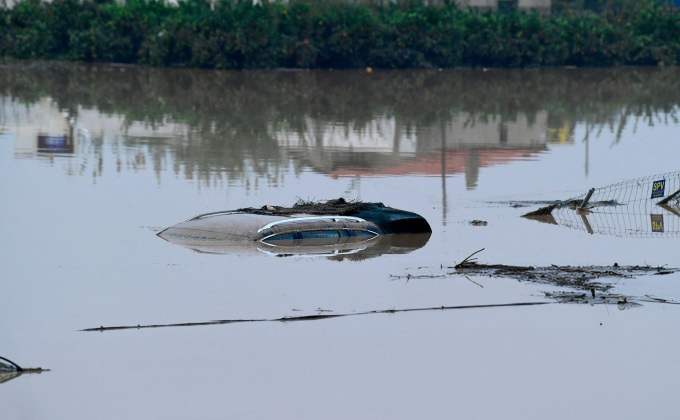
(4, 367)
(646, 207)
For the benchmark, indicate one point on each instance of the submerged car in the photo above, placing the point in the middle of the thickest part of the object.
(332, 228)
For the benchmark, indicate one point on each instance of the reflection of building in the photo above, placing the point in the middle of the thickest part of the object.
(381, 135)
(454, 161)
(327, 148)
(382, 145)
(43, 128)
(39, 129)
(466, 131)
(386, 147)
(477, 143)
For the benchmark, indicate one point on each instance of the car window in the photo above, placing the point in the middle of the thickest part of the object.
(282, 237)
(317, 234)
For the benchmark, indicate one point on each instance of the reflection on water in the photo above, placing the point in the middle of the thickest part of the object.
(6, 376)
(223, 126)
(646, 220)
(353, 251)
(9, 370)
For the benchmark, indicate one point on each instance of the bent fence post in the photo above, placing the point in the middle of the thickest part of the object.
(584, 203)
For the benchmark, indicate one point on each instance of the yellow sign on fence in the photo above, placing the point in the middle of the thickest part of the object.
(658, 188)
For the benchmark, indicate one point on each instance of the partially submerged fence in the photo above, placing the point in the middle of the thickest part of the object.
(7, 365)
(646, 207)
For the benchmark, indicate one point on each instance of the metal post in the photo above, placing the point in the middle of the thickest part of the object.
(443, 174)
(584, 203)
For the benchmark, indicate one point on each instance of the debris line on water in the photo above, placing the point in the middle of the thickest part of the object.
(581, 279)
(315, 317)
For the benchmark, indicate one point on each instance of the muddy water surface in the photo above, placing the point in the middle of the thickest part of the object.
(94, 161)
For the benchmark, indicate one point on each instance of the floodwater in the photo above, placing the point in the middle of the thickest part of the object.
(95, 160)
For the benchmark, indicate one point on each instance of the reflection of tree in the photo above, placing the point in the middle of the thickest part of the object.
(230, 116)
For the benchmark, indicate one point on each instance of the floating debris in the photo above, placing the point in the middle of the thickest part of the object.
(580, 278)
(586, 298)
(515, 204)
(338, 206)
(478, 223)
(317, 317)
